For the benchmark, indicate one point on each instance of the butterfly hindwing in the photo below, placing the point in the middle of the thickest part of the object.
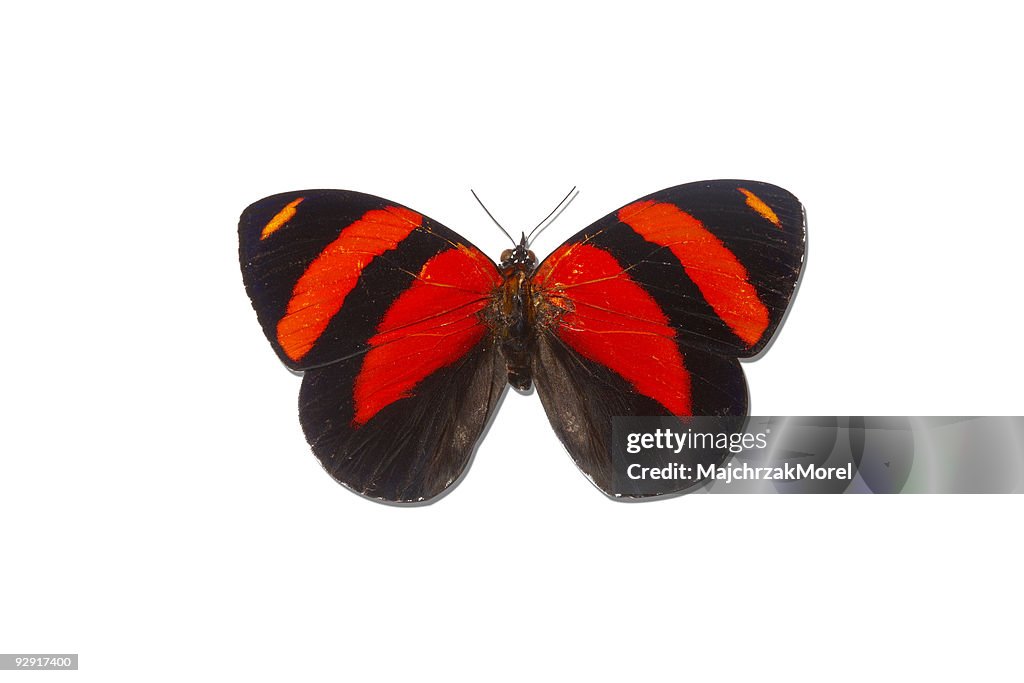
(381, 307)
(581, 397)
(414, 448)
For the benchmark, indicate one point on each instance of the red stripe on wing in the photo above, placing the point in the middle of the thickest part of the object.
(320, 292)
(607, 317)
(716, 271)
(431, 325)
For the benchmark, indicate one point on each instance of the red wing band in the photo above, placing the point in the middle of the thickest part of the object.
(431, 325)
(608, 318)
(716, 271)
(320, 292)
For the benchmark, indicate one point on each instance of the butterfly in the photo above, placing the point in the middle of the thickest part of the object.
(407, 335)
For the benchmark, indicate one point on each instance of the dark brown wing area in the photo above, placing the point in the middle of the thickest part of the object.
(414, 448)
(581, 397)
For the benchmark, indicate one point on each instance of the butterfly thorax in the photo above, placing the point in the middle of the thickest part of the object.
(512, 314)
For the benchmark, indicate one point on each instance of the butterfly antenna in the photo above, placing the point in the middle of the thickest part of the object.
(492, 217)
(555, 213)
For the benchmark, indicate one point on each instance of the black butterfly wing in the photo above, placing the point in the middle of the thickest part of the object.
(646, 311)
(382, 308)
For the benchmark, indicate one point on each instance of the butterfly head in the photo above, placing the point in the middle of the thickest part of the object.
(520, 258)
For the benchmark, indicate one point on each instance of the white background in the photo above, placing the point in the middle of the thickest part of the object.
(160, 511)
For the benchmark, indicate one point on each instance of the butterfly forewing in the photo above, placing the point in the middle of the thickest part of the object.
(721, 258)
(323, 266)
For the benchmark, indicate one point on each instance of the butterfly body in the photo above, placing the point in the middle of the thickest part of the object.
(407, 334)
(512, 316)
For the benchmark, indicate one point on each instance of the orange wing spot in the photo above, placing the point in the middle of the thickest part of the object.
(431, 325)
(320, 292)
(280, 218)
(757, 204)
(611, 320)
(716, 271)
